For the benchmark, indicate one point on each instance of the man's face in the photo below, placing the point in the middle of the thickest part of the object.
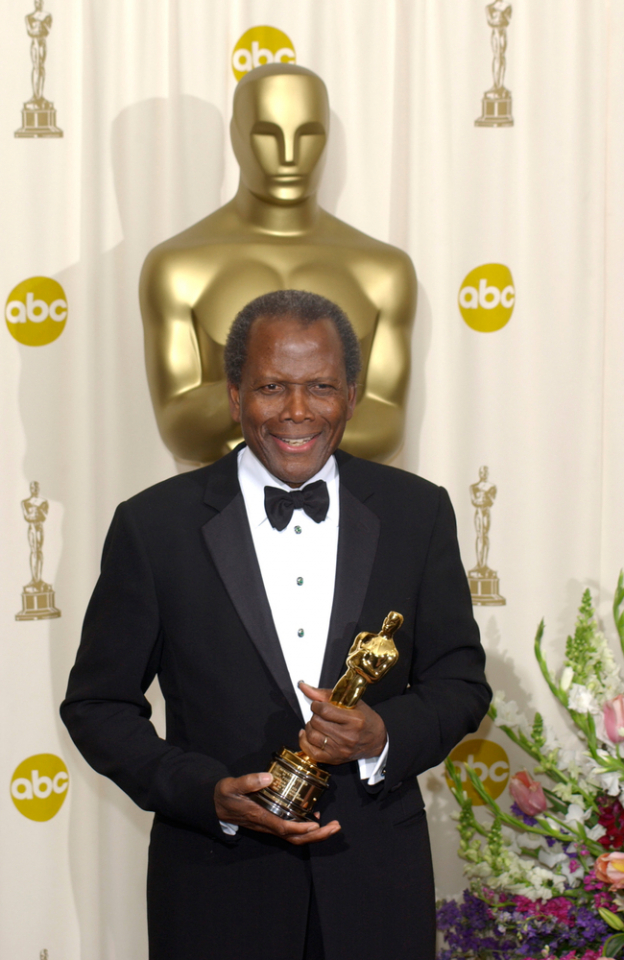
(279, 132)
(293, 402)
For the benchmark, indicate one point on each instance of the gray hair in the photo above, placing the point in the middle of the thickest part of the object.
(298, 305)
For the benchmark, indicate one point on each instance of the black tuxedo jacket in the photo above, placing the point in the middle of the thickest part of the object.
(181, 595)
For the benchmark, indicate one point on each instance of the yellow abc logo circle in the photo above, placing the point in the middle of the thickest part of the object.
(490, 763)
(36, 311)
(39, 786)
(261, 45)
(487, 297)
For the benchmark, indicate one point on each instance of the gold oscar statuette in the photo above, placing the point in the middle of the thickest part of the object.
(37, 596)
(484, 582)
(497, 101)
(298, 781)
(38, 114)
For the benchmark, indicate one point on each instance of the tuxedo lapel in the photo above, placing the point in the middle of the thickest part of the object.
(231, 547)
(357, 546)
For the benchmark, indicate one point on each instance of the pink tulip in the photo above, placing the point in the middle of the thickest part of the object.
(610, 869)
(528, 794)
(613, 713)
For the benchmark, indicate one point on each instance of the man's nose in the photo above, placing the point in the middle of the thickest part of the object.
(297, 407)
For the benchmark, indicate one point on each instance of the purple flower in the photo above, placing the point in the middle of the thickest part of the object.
(509, 926)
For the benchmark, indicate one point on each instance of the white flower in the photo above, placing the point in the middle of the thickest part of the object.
(596, 832)
(551, 742)
(605, 680)
(478, 870)
(581, 700)
(565, 791)
(576, 814)
(611, 783)
(532, 841)
(507, 713)
(550, 858)
(577, 874)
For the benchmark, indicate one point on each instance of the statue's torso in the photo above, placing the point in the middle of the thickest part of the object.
(39, 24)
(221, 265)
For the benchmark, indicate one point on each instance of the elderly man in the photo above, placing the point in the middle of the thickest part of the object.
(242, 585)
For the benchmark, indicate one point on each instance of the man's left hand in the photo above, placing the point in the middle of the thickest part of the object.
(337, 735)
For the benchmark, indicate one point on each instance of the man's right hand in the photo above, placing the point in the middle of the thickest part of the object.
(233, 805)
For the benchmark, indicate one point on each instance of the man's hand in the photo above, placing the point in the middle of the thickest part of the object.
(233, 805)
(336, 735)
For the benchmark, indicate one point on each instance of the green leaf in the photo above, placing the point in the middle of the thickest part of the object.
(618, 608)
(539, 656)
(615, 922)
(613, 946)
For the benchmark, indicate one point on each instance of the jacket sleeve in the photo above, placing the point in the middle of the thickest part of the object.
(448, 694)
(105, 709)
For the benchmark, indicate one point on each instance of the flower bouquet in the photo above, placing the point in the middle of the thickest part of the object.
(547, 879)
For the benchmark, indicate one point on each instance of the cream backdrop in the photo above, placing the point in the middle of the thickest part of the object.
(142, 93)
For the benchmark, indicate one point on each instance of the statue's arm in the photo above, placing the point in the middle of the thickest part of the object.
(191, 406)
(376, 428)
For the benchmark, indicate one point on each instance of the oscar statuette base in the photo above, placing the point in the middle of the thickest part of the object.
(485, 588)
(38, 603)
(39, 120)
(496, 109)
(298, 783)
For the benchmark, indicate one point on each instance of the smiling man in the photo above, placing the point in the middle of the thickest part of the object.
(242, 585)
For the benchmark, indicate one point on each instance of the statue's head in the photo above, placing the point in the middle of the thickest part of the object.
(34, 489)
(279, 129)
(392, 623)
(483, 473)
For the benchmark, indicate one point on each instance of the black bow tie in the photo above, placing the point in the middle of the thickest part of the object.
(279, 504)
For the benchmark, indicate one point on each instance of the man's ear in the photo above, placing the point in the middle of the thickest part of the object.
(352, 397)
(234, 399)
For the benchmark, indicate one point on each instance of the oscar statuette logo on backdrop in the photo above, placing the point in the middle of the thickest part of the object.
(496, 102)
(487, 297)
(261, 45)
(483, 581)
(490, 763)
(36, 311)
(37, 596)
(39, 786)
(38, 114)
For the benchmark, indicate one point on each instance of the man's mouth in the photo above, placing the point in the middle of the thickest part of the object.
(294, 442)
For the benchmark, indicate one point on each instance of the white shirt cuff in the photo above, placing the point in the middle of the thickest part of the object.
(230, 828)
(372, 769)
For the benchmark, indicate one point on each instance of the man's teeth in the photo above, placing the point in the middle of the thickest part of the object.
(298, 442)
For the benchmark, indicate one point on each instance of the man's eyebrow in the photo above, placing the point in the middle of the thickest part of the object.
(261, 380)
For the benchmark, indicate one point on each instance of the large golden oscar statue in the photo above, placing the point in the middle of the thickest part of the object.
(273, 235)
